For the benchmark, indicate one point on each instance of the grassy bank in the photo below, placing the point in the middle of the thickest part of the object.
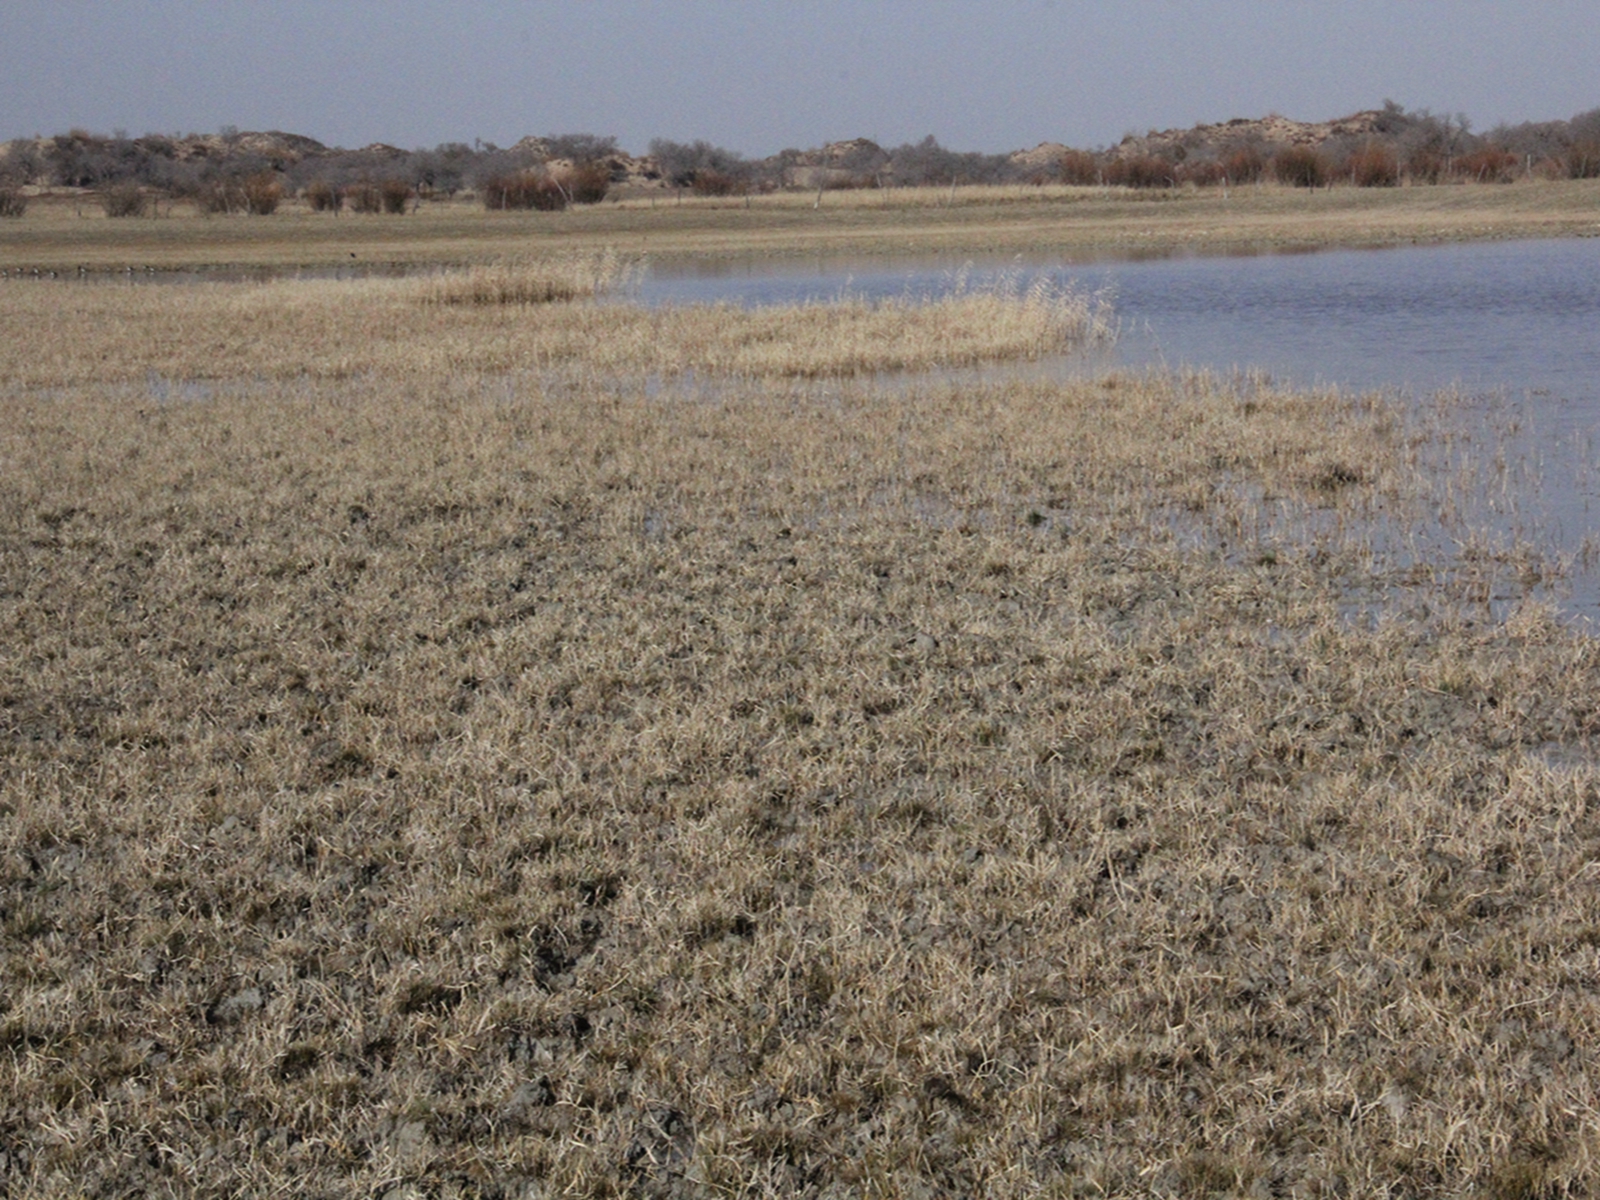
(429, 778)
(1051, 221)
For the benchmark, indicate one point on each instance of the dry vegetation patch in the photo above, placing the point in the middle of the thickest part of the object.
(508, 317)
(460, 782)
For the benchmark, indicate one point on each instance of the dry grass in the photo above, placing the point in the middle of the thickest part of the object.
(53, 336)
(526, 282)
(424, 776)
(63, 233)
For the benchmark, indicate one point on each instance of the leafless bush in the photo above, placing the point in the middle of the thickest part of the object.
(323, 196)
(710, 182)
(396, 194)
(1244, 164)
(1078, 167)
(220, 196)
(262, 194)
(1583, 160)
(525, 190)
(1426, 166)
(1206, 172)
(364, 197)
(1301, 166)
(12, 202)
(586, 183)
(122, 200)
(1374, 166)
(1492, 164)
(1141, 171)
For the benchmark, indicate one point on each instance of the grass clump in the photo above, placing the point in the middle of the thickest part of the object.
(522, 283)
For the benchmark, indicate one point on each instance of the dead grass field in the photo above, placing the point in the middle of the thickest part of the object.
(436, 767)
(1062, 221)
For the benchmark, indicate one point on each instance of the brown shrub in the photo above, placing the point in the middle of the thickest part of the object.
(364, 197)
(1141, 171)
(262, 194)
(1425, 166)
(708, 181)
(1489, 165)
(12, 202)
(1300, 166)
(1374, 166)
(1583, 160)
(123, 200)
(586, 183)
(1078, 167)
(324, 197)
(525, 190)
(396, 195)
(1244, 165)
(1206, 173)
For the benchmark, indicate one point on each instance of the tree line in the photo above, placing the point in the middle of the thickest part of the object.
(234, 172)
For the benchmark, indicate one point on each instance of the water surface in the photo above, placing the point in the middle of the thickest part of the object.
(1506, 329)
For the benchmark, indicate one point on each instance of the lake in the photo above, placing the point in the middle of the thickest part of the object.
(1510, 330)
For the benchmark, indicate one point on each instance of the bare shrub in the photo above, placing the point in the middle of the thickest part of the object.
(1245, 164)
(586, 183)
(710, 182)
(1583, 160)
(1492, 164)
(1374, 166)
(364, 197)
(396, 194)
(1425, 166)
(262, 194)
(323, 196)
(1078, 167)
(524, 190)
(1301, 166)
(1204, 173)
(1141, 171)
(12, 202)
(220, 196)
(123, 200)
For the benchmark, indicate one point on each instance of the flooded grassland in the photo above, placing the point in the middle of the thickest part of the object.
(462, 747)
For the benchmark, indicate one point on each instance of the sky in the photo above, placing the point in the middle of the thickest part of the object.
(758, 77)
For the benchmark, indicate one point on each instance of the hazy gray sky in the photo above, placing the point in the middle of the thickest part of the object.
(757, 77)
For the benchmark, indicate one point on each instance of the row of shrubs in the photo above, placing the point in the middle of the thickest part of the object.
(260, 195)
(1306, 166)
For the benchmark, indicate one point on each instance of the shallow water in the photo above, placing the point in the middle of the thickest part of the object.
(1507, 330)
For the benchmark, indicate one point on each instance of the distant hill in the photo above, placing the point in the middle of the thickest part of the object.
(1382, 145)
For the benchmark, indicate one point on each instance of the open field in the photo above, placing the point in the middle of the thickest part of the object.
(1034, 220)
(459, 746)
